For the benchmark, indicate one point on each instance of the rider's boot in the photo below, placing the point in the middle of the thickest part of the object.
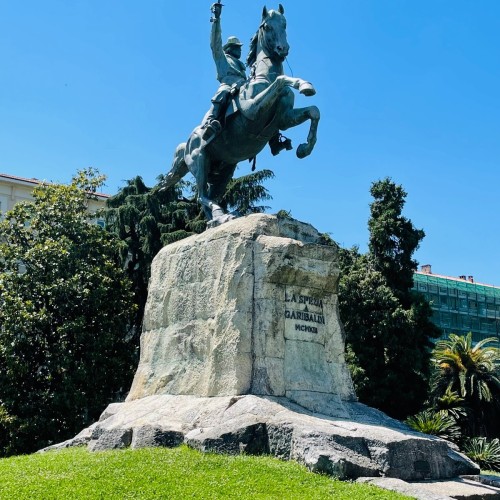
(212, 125)
(211, 128)
(278, 143)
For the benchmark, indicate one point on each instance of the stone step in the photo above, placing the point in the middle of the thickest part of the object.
(480, 487)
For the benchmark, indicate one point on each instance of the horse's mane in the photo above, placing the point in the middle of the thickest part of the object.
(252, 54)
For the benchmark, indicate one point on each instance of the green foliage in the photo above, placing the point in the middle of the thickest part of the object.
(436, 423)
(470, 371)
(451, 404)
(243, 192)
(393, 238)
(64, 317)
(484, 452)
(169, 473)
(284, 214)
(388, 326)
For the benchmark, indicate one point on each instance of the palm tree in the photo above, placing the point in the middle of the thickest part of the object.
(472, 372)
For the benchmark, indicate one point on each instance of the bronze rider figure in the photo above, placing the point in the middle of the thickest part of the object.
(231, 73)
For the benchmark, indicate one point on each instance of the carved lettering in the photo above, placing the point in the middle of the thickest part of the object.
(298, 307)
(305, 316)
(306, 328)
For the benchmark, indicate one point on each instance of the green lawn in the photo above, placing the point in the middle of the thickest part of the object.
(490, 472)
(167, 473)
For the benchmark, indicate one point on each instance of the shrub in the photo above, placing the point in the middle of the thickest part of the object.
(485, 453)
(436, 423)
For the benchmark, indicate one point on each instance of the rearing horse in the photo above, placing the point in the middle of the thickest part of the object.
(263, 108)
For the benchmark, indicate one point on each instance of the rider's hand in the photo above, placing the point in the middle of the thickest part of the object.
(216, 10)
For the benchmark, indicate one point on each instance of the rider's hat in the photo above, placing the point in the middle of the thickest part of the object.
(232, 40)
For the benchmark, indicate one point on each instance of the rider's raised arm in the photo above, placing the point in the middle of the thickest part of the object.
(216, 35)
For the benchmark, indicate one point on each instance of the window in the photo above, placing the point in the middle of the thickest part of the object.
(475, 324)
(466, 322)
(434, 299)
(445, 319)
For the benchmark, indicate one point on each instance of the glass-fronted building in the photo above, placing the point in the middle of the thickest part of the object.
(460, 305)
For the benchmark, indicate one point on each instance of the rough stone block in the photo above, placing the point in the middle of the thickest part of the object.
(154, 436)
(244, 308)
(111, 439)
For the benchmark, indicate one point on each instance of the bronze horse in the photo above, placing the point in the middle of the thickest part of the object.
(263, 108)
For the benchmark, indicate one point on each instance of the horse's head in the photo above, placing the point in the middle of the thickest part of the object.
(272, 34)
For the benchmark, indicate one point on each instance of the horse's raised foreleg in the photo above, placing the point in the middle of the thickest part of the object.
(303, 86)
(259, 98)
(295, 116)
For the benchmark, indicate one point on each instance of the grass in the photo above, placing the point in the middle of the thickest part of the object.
(490, 472)
(168, 473)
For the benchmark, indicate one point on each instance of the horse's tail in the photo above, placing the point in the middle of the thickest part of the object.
(179, 168)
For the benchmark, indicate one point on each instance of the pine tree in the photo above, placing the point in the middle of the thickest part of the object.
(388, 327)
(393, 238)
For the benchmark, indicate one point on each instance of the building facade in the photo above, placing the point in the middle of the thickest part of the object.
(460, 305)
(14, 189)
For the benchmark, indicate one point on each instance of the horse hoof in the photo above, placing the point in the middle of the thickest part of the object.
(302, 151)
(307, 89)
(219, 220)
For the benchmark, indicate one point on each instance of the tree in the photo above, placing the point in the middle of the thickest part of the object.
(388, 327)
(146, 219)
(471, 371)
(393, 238)
(65, 311)
(242, 193)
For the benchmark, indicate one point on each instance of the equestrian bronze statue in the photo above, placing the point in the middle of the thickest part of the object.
(246, 114)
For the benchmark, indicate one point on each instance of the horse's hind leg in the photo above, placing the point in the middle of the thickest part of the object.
(179, 168)
(219, 181)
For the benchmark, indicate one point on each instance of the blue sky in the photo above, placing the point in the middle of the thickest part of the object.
(407, 89)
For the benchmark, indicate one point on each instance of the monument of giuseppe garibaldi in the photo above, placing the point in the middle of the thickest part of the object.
(242, 348)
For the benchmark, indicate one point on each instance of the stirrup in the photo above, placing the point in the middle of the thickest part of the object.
(279, 143)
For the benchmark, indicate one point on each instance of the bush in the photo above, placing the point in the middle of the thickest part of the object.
(436, 423)
(485, 453)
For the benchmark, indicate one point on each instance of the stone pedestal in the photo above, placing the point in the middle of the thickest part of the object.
(243, 351)
(249, 307)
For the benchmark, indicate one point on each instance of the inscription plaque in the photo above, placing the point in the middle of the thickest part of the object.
(303, 311)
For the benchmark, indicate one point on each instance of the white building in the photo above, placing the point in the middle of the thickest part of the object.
(14, 189)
